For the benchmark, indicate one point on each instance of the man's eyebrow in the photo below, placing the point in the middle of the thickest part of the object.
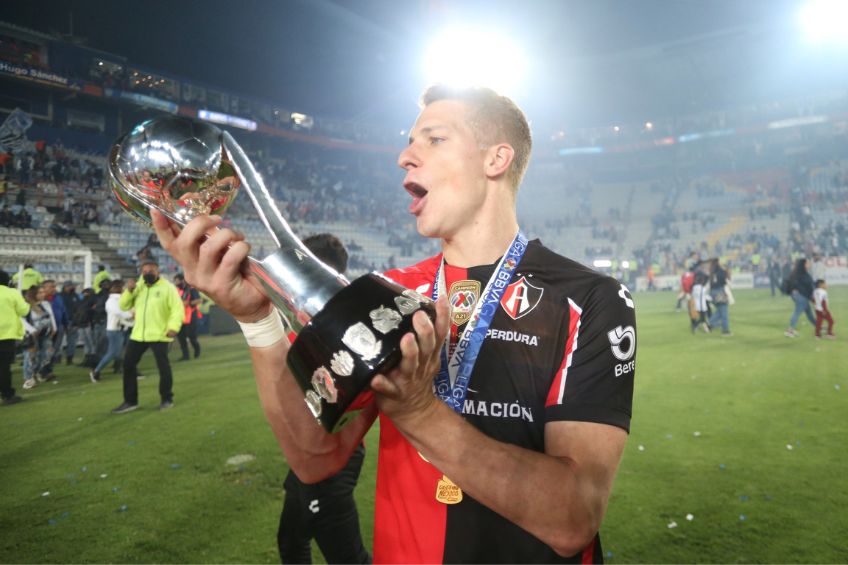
(426, 131)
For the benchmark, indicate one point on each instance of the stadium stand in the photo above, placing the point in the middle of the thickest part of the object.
(748, 184)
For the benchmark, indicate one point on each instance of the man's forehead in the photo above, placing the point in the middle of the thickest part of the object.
(442, 114)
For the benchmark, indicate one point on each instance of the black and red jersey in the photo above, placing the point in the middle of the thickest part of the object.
(562, 346)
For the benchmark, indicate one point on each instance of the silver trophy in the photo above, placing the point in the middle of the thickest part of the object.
(347, 332)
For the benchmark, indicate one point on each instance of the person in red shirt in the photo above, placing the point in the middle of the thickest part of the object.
(822, 309)
(687, 280)
(521, 471)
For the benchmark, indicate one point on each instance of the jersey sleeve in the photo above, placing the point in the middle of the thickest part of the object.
(594, 382)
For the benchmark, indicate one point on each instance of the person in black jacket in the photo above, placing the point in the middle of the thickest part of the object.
(774, 275)
(719, 278)
(72, 302)
(325, 511)
(801, 291)
(98, 321)
(82, 319)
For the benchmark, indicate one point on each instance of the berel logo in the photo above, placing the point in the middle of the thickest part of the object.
(625, 295)
(620, 335)
(520, 298)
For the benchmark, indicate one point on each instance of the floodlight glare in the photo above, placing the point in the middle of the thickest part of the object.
(825, 20)
(466, 57)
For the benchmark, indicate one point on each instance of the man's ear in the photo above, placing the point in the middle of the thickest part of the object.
(498, 159)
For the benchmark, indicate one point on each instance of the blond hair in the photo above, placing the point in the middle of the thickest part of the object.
(494, 119)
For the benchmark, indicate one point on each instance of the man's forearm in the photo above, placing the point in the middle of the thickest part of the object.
(311, 452)
(548, 496)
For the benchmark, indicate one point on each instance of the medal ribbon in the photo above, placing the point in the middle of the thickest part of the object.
(455, 374)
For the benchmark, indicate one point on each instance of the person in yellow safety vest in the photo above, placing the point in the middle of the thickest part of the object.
(29, 276)
(102, 275)
(12, 308)
(158, 318)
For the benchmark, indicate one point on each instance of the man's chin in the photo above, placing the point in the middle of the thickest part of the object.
(425, 230)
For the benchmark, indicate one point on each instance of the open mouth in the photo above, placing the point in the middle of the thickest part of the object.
(419, 194)
(415, 190)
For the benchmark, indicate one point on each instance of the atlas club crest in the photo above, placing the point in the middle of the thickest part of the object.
(520, 298)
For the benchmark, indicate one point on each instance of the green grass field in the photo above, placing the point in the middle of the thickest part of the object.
(746, 434)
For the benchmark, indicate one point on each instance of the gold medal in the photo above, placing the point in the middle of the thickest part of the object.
(447, 492)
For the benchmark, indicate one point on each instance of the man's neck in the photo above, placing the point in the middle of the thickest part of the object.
(480, 245)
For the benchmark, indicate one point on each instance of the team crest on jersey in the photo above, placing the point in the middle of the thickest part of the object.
(520, 298)
(463, 296)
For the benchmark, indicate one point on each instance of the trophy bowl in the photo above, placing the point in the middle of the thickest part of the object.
(176, 166)
(346, 332)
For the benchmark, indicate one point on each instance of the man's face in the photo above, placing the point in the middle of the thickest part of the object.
(49, 289)
(150, 269)
(445, 173)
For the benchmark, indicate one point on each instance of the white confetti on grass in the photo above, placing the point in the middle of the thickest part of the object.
(672, 524)
(240, 459)
(103, 475)
(690, 517)
(45, 493)
(641, 448)
(696, 434)
(789, 446)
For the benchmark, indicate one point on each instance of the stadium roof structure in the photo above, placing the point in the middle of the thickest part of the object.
(596, 62)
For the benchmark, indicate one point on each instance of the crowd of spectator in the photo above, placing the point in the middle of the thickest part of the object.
(314, 185)
(755, 246)
(22, 52)
(53, 164)
(10, 218)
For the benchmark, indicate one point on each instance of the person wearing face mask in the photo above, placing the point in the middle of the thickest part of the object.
(158, 317)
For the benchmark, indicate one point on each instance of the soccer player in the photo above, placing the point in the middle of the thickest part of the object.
(521, 469)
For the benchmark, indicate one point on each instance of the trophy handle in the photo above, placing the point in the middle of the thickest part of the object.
(264, 204)
(297, 282)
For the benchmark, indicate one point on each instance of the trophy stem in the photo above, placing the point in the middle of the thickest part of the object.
(262, 201)
(298, 284)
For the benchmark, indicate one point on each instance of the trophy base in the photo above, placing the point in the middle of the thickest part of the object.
(355, 336)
